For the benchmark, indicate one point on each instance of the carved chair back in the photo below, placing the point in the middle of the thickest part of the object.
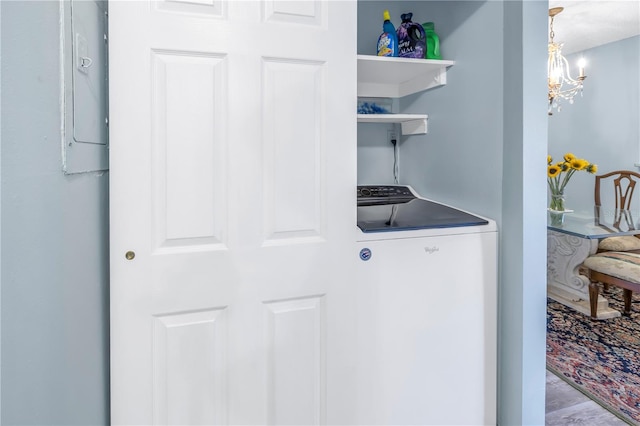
(624, 183)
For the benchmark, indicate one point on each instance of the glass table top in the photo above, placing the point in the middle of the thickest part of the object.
(598, 223)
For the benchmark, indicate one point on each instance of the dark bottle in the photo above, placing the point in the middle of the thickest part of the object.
(411, 39)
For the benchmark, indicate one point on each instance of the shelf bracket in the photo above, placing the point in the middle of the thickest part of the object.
(414, 127)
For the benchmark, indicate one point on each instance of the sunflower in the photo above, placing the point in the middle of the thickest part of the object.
(559, 174)
(579, 164)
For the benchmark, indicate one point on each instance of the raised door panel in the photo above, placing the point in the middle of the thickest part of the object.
(296, 357)
(189, 149)
(294, 115)
(204, 8)
(310, 12)
(190, 368)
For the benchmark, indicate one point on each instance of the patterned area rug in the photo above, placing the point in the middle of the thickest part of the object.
(600, 358)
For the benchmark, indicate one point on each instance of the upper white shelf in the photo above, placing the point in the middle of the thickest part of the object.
(387, 77)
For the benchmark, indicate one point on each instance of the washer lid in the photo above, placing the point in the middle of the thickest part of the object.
(405, 211)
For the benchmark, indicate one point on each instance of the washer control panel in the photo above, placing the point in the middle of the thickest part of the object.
(383, 191)
(383, 194)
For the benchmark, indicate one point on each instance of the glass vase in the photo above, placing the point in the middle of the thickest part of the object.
(557, 202)
(557, 218)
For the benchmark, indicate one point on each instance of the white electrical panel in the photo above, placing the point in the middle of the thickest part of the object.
(85, 86)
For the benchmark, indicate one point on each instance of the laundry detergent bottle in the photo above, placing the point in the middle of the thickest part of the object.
(433, 42)
(388, 40)
(411, 40)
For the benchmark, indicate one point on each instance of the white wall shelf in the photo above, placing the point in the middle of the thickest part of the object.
(386, 77)
(411, 124)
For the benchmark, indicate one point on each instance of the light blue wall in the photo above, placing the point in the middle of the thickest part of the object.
(487, 137)
(54, 282)
(603, 126)
(458, 160)
(523, 233)
(0, 218)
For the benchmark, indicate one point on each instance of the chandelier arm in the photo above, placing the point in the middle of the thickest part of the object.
(565, 69)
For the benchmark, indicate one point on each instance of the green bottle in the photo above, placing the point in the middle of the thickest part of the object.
(433, 42)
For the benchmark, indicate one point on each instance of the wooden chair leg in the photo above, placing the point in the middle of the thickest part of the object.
(593, 299)
(627, 301)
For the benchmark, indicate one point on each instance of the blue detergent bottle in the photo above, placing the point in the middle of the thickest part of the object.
(388, 40)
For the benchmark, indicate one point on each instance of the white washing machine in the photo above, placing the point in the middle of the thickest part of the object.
(427, 311)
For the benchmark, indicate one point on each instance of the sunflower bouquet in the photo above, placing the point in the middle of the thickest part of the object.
(559, 174)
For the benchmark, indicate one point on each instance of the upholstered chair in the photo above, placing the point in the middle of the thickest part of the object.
(617, 261)
(620, 269)
(622, 183)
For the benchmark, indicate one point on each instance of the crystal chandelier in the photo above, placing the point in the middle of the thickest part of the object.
(561, 84)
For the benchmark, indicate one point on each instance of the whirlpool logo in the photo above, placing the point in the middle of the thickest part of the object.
(431, 250)
(365, 254)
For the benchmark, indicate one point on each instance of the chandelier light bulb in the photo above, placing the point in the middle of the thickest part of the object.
(581, 65)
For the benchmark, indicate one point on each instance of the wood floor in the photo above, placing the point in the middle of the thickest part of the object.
(565, 405)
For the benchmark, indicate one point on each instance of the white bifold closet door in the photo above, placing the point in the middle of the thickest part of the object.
(232, 179)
